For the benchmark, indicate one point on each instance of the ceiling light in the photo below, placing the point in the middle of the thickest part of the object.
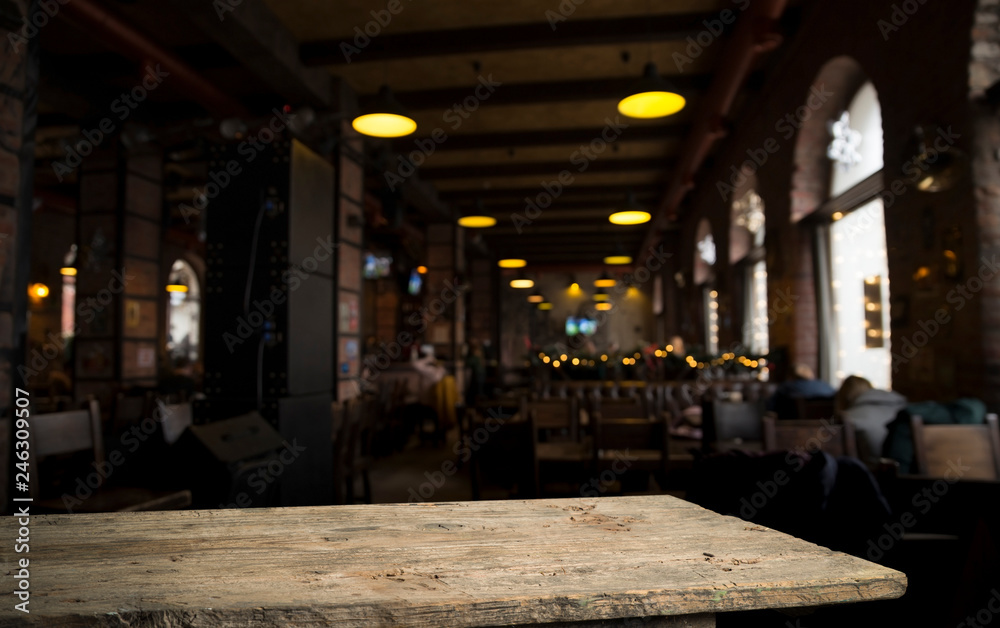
(651, 97)
(521, 282)
(603, 305)
(421, 270)
(545, 305)
(177, 287)
(536, 298)
(604, 281)
(38, 290)
(477, 218)
(631, 214)
(67, 271)
(617, 260)
(386, 118)
(512, 263)
(601, 295)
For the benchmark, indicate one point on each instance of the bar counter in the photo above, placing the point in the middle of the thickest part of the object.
(490, 563)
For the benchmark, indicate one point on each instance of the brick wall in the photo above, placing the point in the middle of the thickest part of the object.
(920, 69)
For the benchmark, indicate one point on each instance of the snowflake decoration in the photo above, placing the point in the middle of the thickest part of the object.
(844, 147)
(750, 212)
(706, 250)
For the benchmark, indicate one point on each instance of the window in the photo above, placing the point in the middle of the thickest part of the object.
(859, 272)
(183, 316)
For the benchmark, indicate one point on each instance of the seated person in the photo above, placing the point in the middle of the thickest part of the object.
(870, 410)
(803, 384)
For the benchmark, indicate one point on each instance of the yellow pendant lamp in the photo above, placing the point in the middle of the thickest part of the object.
(651, 97)
(385, 118)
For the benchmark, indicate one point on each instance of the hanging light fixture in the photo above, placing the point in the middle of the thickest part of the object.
(601, 295)
(603, 306)
(617, 260)
(631, 214)
(545, 305)
(385, 118)
(512, 263)
(522, 282)
(536, 297)
(477, 219)
(604, 281)
(651, 97)
(38, 290)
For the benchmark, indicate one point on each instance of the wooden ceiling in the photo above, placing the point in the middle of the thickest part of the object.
(556, 86)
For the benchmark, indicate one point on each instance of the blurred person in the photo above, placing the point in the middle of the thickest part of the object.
(870, 410)
(802, 385)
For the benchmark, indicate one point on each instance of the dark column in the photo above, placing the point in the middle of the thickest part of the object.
(18, 116)
(350, 219)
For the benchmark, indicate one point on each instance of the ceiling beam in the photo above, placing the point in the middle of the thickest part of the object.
(610, 88)
(252, 33)
(554, 137)
(472, 41)
(543, 168)
(617, 190)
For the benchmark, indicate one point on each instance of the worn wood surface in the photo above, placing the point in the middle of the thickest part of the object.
(424, 564)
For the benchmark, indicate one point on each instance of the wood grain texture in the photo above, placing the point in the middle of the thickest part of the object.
(425, 564)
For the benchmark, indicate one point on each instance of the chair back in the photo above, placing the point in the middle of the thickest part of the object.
(724, 421)
(836, 439)
(939, 449)
(68, 432)
(643, 442)
(553, 415)
(814, 408)
(622, 407)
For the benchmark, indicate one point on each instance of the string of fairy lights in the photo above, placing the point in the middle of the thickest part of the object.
(560, 359)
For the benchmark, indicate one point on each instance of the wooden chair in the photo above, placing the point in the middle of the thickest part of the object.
(556, 437)
(499, 449)
(836, 439)
(637, 446)
(66, 433)
(937, 447)
(129, 410)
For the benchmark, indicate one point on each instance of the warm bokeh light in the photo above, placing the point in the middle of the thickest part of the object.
(629, 217)
(422, 270)
(384, 125)
(38, 290)
(602, 296)
(512, 263)
(614, 260)
(68, 271)
(545, 305)
(603, 305)
(522, 283)
(604, 282)
(651, 105)
(536, 298)
(177, 288)
(477, 222)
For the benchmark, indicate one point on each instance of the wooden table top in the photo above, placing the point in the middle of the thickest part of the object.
(424, 564)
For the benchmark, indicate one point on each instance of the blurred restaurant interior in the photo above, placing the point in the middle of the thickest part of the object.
(282, 253)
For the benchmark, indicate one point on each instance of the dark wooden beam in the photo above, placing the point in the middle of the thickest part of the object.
(617, 190)
(554, 137)
(580, 204)
(690, 86)
(471, 41)
(543, 168)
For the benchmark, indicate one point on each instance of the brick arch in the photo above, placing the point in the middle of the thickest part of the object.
(832, 90)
